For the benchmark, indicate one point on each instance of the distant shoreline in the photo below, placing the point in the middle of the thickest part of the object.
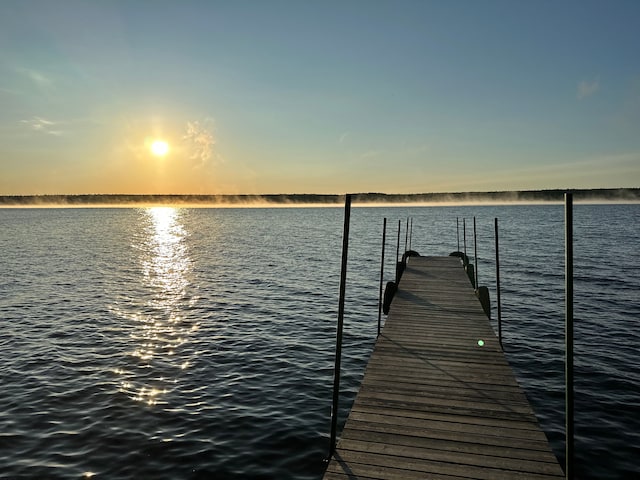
(605, 195)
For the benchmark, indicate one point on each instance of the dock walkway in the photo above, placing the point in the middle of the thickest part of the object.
(438, 399)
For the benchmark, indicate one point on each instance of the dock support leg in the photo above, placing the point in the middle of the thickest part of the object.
(336, 370)
(498, 284)
(384, 239)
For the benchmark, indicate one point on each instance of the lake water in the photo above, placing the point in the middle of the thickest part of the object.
(198, 343)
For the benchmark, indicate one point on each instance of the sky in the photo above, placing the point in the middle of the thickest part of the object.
(270, 96)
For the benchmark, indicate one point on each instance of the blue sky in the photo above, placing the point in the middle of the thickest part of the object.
(318, 97)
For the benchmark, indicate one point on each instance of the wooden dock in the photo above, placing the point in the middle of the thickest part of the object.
(438, 399)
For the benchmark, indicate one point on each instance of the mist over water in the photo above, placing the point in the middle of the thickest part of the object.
(199, 343)
(202, 143)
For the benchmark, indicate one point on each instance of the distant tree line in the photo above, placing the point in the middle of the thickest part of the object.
(556, 195)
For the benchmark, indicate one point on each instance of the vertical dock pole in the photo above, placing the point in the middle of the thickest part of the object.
(410, 233)
(398, 253)
(568, 334)
(406, 236)
(384, 239)
(458, 233)
(475, 251)
(336, 370)
(464, 241)
(498, 284)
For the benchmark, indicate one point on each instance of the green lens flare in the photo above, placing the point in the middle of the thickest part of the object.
(480, 343)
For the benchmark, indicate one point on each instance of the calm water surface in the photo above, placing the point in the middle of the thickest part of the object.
(198, 343)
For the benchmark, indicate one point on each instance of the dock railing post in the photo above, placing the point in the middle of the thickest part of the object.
(498, 284)
(568, 336)
(398, 253)
(475, 253)
(384, 239)
(464, 241)
(458, 233)
(336, 370)
(410, 233)
(406, 236)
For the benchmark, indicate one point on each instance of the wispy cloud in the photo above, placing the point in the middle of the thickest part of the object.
(40, 79)
(200, 140)
(588, 88)
(42, 125)
(343, 137)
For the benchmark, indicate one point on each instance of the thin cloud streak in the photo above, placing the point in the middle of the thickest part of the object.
(42, 125)
(37, 77)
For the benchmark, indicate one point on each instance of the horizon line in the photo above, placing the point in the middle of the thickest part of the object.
(599, 195)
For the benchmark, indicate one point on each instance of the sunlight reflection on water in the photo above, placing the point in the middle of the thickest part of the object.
(167, 264)
(159, 328)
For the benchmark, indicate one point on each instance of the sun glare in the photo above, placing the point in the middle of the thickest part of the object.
(159, 148)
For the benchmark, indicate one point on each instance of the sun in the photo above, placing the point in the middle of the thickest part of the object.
(159, 148)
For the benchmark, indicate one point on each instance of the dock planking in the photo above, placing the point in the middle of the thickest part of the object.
(438, 399)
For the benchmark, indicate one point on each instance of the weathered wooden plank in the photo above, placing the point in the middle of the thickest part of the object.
(458, 456)
(472, 445)
(447, 391)
(435, 402)
(446, 434)
(452, 426)
(436, 467)
(487, 384)
(354, 470)
(459, 416)
(417, 401)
